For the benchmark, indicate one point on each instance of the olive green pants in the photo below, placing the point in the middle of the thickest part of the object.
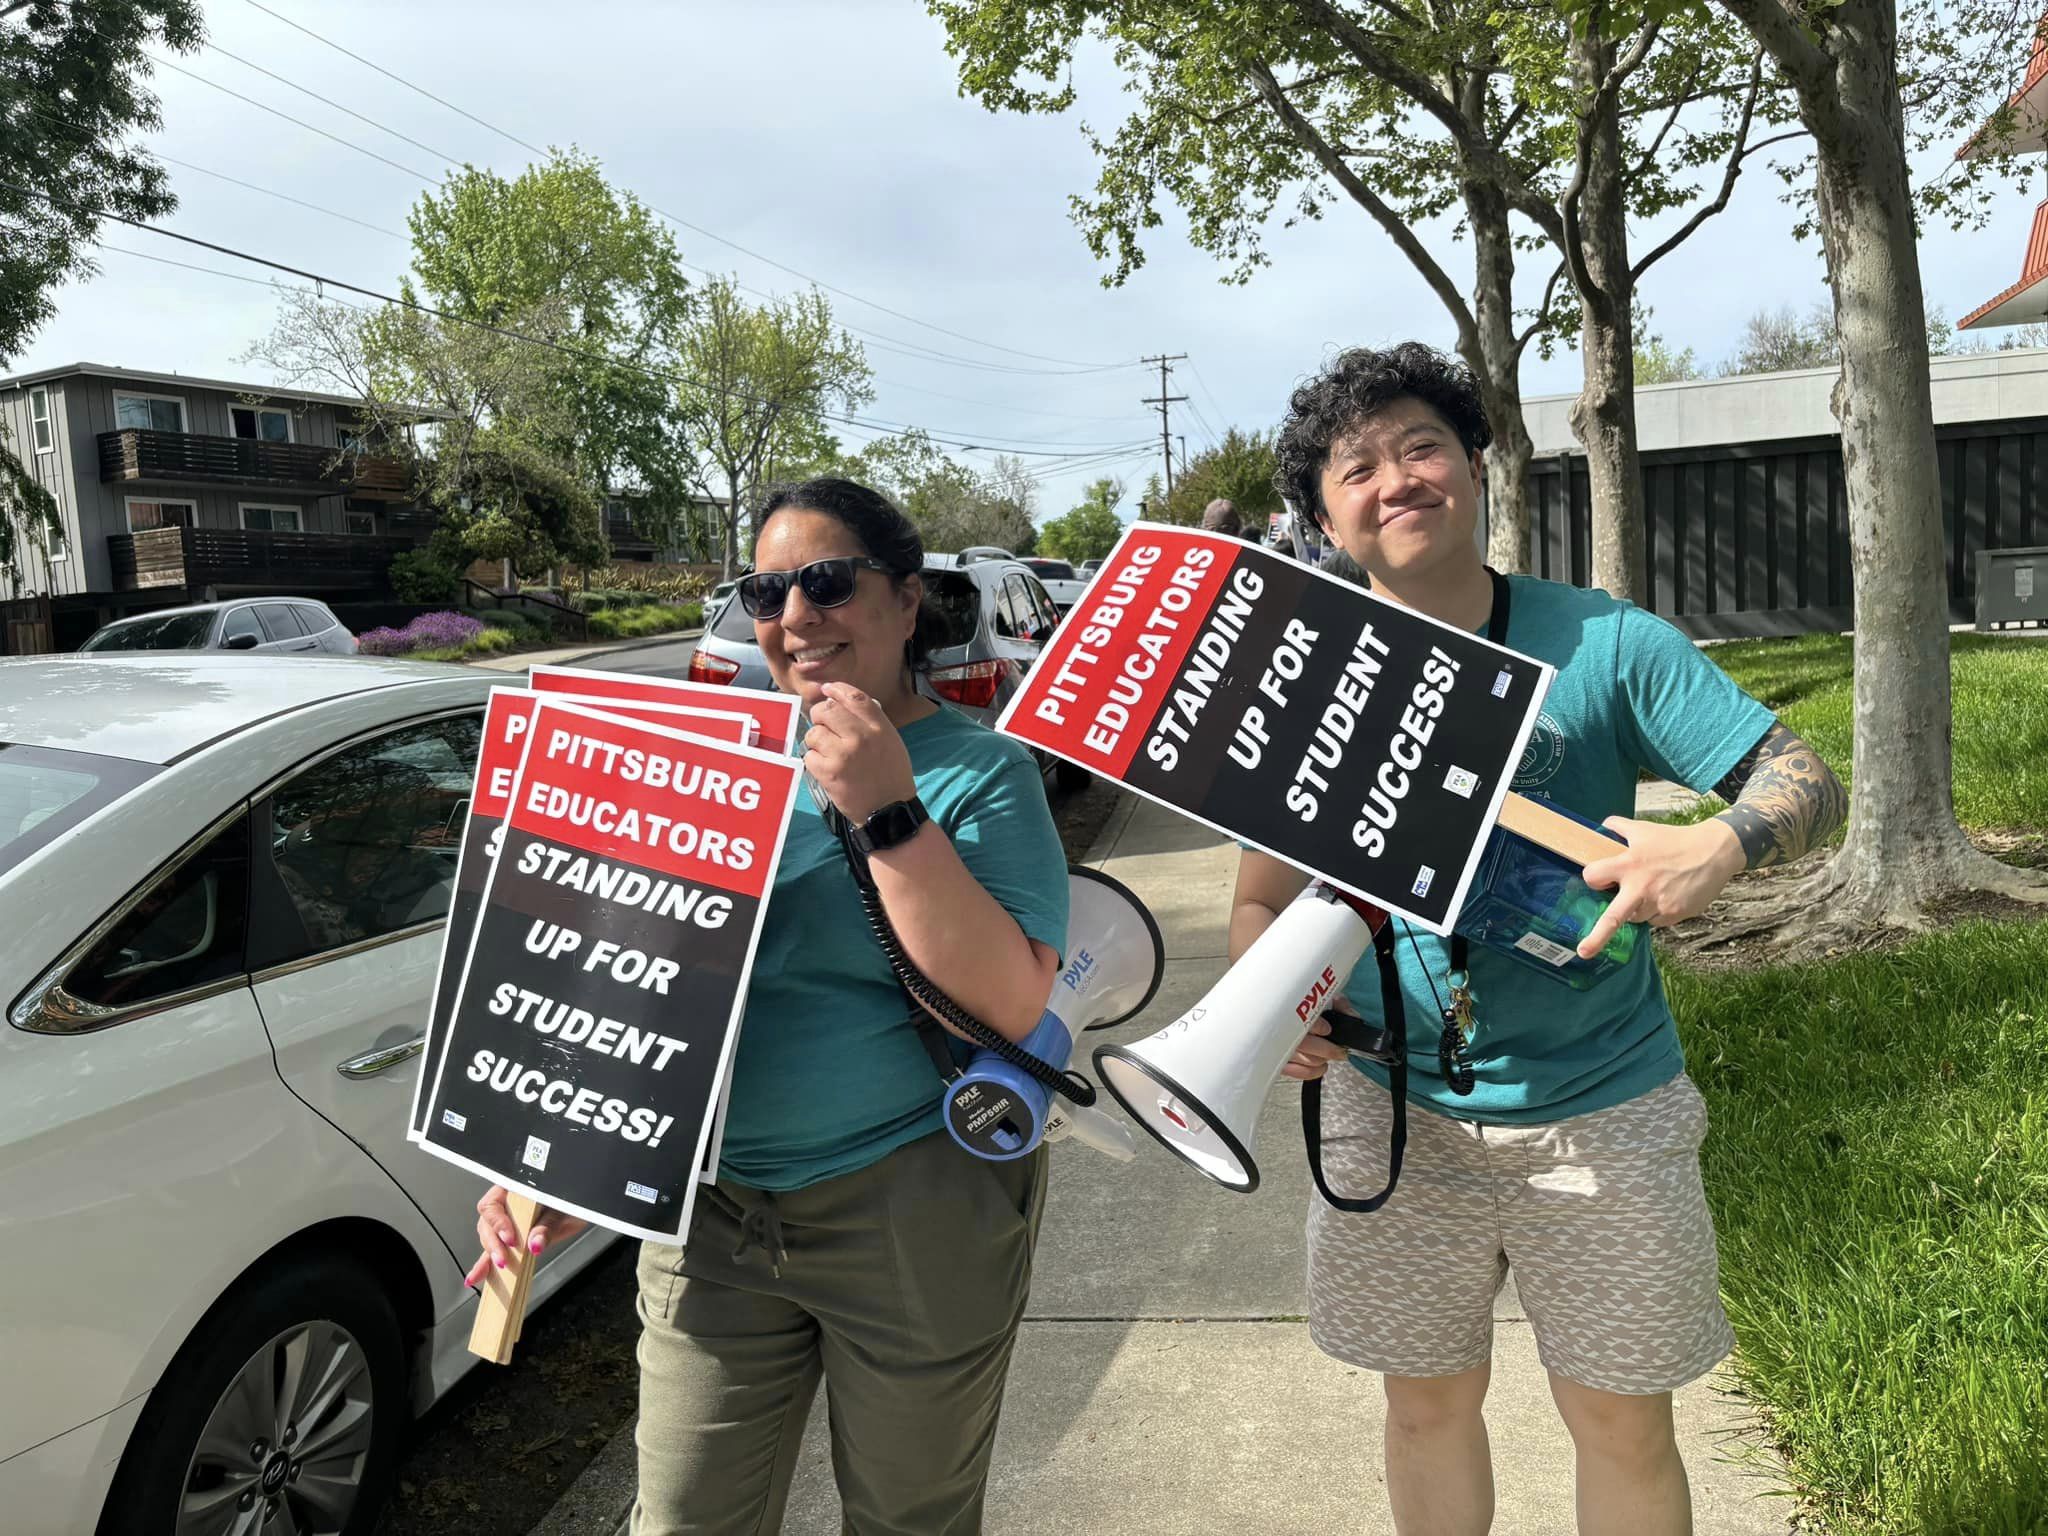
(902, 1284)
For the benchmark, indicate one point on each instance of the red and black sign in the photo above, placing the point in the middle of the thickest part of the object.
(598, 1003)
(1360, 740)
(505, 725)
(775, 713)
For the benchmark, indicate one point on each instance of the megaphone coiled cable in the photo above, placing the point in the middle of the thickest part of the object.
(1068, 1084)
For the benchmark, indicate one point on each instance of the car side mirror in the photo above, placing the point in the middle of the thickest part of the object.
(242, 642)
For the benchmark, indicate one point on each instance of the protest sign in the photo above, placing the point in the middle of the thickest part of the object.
(594, 1021)
(504, 737)
(1357, 739)
(775, 713)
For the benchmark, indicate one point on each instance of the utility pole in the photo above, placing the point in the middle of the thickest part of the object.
(1163, 401)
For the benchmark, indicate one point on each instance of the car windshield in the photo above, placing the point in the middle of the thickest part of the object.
(163, 632)
(44, 793)
(1052, 570)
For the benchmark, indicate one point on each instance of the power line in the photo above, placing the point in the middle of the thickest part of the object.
(439, 154)
(697, 228)
(299, 121)
(323, 282)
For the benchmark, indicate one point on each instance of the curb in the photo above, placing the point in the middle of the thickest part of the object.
(600, 1500)
(645, 643)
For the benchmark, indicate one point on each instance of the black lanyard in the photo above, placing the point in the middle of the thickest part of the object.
(1450, 1048)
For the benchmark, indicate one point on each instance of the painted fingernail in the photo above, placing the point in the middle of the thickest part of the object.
(499, 1261)
(533, 1243)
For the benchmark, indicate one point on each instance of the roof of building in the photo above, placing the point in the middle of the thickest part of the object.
(188, 381)
(1767, 407)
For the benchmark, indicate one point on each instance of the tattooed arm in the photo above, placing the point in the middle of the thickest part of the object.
(1782, 799)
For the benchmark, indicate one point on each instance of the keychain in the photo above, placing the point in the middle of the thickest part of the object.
(1451, 1054)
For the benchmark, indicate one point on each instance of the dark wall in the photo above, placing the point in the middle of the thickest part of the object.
(1753, 538)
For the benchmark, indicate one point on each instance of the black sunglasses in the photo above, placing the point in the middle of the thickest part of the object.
(825, 583)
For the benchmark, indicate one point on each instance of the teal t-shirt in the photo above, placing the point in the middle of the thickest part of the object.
(828, 1075)
(1631, 693)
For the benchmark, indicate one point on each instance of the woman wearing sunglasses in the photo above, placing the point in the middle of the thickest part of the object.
(848, 1235)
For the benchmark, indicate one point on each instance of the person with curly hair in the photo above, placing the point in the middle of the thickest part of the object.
(1574, 1158)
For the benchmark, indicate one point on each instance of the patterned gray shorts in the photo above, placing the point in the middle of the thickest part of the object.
(1602, 1218)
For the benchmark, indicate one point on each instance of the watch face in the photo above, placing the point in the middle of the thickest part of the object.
(893, 824)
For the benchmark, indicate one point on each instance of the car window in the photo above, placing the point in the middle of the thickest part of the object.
(1008, 623)
(189, 929)
(1051, 570)
(365, 842)
(279, 622)
(732, 622)
(316, 620)
(240, 621)
(45, 792)
(955, 604)
(1048, 611)
(164, 632)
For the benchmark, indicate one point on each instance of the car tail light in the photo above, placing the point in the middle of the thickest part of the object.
(706, 668)
(974, 684)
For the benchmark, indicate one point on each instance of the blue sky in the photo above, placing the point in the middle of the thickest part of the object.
(829, 135)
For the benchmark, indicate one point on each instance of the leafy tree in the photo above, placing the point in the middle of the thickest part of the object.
(1410, 113)
(1239, 469)
(1774, 341)
(954, 505)
(1849, 65)
(73, 88)
(759, 381)
(1656, 362)
(1090, 530)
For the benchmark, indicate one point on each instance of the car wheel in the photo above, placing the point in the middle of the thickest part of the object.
(1071, 778)
(281, 1414)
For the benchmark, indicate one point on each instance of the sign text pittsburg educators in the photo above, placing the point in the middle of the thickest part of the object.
(596, 1014)
(1343, 733)
(504, 740)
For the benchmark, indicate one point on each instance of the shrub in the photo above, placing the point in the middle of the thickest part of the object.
(647, 619)
(430, 631)
(654, 583)
(417, 577)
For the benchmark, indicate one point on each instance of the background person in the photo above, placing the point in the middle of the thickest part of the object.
(1575, 1159)
(849, 1236)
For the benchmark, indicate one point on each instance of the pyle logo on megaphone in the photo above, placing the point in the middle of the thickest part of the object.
(1077, 972)
(1318, 994)
(1198, 1084)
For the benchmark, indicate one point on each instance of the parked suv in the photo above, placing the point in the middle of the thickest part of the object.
(994, 615)
(246, 624)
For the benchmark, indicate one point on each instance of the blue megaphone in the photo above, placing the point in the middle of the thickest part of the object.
(1114, 961)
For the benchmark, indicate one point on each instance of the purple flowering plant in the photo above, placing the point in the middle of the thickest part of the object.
(428, 632)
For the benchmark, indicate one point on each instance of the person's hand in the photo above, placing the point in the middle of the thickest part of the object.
(1665, 875)
(497, 1234)
(855, 754)
(1312, 1058)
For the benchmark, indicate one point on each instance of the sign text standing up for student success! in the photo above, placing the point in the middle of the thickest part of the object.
(1346, 734)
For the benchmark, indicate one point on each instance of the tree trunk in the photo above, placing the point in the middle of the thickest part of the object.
(1904, 848)
(1604, 415)
(732, 533)
(1498, 366)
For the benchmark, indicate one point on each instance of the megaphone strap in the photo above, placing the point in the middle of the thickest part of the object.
(1395, 1015)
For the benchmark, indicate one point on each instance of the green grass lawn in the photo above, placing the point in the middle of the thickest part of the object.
(1879, 1160)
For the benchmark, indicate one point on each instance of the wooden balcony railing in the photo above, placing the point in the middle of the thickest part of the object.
(242, 558)
(190, 458)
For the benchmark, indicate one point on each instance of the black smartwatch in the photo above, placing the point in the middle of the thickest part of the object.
(890, 826)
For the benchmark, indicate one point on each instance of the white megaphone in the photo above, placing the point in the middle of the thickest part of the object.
(1198, 1084)
(1114, 961)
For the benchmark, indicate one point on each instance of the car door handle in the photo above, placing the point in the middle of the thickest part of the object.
(370, 1063)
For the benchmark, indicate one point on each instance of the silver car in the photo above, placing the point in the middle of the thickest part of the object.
(994, 616)
(245, 624)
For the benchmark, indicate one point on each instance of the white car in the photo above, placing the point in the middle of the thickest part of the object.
(227, 1280)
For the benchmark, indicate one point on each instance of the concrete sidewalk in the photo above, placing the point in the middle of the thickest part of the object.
(1164, 1380)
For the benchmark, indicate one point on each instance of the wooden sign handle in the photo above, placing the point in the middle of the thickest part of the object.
(1546, 828)
(501, 1310)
